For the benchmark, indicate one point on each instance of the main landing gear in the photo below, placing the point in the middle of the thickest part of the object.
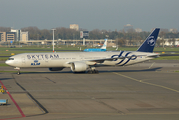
(93, 70)
(17, 68)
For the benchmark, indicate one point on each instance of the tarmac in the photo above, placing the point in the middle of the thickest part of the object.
(147, 91)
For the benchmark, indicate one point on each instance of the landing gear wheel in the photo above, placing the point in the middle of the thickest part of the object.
(89, 71)
(18, 73)
(93, 71)
(96, 71)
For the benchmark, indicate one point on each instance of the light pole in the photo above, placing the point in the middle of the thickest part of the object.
(53, 38)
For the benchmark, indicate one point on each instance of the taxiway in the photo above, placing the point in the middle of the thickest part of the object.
(147, 91)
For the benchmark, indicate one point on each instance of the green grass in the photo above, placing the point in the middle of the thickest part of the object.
(3, 64)
(166, 49)
(167, 58)
(3, 58)
(8, 71)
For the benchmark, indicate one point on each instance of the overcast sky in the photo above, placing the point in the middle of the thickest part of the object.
(90, 14)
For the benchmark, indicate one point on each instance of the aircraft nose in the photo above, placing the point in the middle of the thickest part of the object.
(8, 62)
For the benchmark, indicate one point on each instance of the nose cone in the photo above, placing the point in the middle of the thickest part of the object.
(9, 62)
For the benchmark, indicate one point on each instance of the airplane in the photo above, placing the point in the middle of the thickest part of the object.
(103, 48)
(85, 61)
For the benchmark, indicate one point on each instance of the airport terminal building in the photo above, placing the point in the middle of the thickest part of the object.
(13, 36)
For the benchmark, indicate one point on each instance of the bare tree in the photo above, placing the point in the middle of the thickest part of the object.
(5, 29)
(120, 41)
(162, 34)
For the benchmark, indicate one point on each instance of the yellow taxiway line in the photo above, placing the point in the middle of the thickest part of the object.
(147, 82)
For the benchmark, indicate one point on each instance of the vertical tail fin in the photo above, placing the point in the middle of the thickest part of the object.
(105, 44)
(149, 44)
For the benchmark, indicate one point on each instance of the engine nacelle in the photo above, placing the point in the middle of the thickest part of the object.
(79, 67)
(56, 69)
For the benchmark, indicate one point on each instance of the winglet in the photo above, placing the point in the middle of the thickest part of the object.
(149, 44)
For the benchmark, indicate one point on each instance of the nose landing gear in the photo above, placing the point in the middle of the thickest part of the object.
(17, 68)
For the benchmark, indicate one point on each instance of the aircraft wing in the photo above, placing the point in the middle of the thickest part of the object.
(122, 57)
(95, 61)
(157, 55)
(110, 59)
(102, 60)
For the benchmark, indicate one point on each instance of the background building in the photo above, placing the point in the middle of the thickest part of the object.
(7, 36)
(13, 36)
(173, 30)
(128, 28)
(138, 30)
(74, 26)
(24, 36)
(2, 36)
(10, 36)
(17, 32)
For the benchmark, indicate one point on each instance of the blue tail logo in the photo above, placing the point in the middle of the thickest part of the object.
(149, 43)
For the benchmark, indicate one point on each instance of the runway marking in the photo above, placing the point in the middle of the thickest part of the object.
(50, 79)
(152, 65)
(147, 82)
(19, 109)
(42, 108)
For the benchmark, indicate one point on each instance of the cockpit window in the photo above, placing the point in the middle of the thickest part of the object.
(11, 59)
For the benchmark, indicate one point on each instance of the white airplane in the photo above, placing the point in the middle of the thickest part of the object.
(103, 48)
(85, 61)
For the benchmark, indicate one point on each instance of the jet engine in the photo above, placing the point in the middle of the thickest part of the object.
(56, 69)
(79, 67)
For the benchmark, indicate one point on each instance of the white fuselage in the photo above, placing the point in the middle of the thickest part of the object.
(62, 59)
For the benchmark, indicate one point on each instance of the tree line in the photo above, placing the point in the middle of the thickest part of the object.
(66, 33)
